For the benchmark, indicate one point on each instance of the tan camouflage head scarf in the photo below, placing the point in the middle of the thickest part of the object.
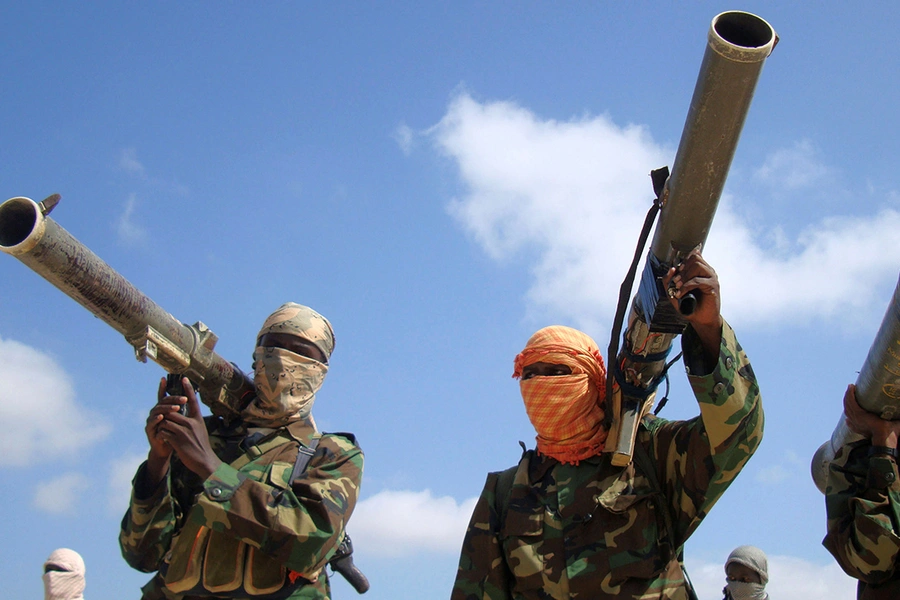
(567, 411)
(286, 382)
(64, 575)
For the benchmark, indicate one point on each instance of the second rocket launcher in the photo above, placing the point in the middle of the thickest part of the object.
(738, 44)
(877, 389)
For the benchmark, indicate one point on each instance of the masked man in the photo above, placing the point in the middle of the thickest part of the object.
(746, 574)
(566, 523)
(220, 510)
(64, 575)
(862, 501)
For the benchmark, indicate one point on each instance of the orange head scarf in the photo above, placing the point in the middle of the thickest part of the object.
(567, 411)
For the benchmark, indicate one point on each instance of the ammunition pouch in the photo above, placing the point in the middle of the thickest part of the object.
(204, 562)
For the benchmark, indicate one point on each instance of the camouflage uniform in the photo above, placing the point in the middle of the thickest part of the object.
(862, 500)
(596, 531)
(191, 531)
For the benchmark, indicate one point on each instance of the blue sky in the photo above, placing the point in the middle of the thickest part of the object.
(439, 180)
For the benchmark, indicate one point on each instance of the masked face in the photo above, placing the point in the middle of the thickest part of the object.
(561, 374)
(289, 364)
(64, 575)
(286, 386)
(743, 582)
(743, 590)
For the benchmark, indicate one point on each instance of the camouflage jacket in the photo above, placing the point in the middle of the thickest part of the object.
(596, 531)
(862, 501)
(246, 517)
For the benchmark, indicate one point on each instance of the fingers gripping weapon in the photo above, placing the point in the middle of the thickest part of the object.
(27, 233)
(877, 389)
(738, 44)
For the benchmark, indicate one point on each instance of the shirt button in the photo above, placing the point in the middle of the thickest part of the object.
(215, 492)
(717, 389)
(729, 363)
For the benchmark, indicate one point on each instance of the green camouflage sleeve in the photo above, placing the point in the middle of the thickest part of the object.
(300, 526)
(483, 573)
(148, 526)
(862, 502)
(699, 458)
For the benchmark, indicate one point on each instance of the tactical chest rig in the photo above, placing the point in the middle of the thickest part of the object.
(205, 562)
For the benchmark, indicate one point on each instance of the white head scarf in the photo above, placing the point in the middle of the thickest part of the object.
(752, 558)
(64, 576)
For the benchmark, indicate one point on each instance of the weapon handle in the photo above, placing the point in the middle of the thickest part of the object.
(688, 304)
(344, 565)
(174, 387)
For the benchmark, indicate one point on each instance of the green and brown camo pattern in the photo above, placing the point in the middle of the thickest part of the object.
(862, 502)
(298, 526)
(595, 531)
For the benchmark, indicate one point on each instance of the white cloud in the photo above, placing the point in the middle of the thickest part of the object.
(571, 196)
(793, 168)
(30, 379)
(404, 136)
(59, 496)
(789, 577)
(790, 466)
(429, 523)
(129, 232)
(121, 472)
(772, 474)
(129, 163)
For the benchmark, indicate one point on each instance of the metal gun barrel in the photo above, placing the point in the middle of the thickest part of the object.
(54, 254)
(877, 389)
(738, 44)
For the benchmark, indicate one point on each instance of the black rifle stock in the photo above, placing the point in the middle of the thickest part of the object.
(738, 44)
(877, 389)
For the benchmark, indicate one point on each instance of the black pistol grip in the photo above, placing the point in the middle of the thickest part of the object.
(174, 387)
(344, 565)
(687, 304)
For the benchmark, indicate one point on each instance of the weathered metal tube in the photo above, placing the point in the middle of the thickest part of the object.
(738, 44)
(877, 389)
(54, 254)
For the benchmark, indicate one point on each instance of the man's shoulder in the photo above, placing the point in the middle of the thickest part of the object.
(341, 439)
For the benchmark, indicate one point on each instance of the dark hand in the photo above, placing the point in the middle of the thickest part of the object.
(880, 432)
(694, 274)
(187, 435)
(160, 450)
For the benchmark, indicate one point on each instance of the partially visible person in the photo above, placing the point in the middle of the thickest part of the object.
(64, 575)
(746, 574)
(862, 501)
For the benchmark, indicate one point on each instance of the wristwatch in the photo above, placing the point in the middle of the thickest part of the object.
(886, 450)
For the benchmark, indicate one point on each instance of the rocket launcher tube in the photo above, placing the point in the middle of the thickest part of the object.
(51, 252)
(738, 44)
(877, 389)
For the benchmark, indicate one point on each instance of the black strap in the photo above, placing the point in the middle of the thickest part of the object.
(303, 457)
(342, 561)
(658, 177)
(505, 481)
